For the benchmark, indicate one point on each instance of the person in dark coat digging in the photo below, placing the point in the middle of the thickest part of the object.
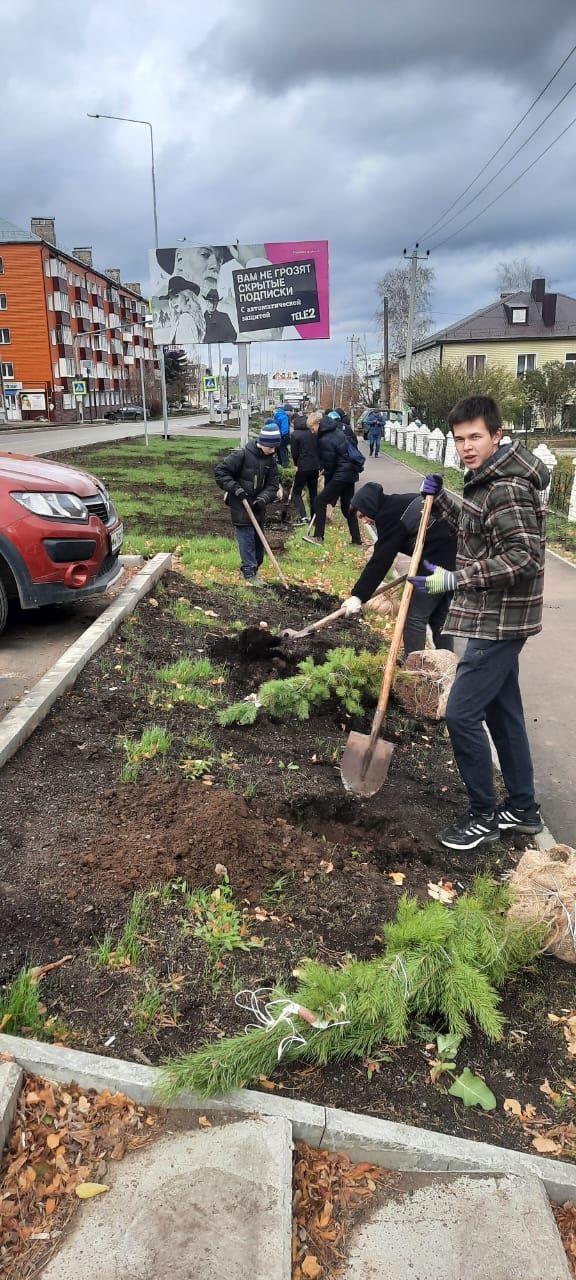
(250, 473)
(396, 517)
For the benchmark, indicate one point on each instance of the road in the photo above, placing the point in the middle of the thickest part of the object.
(546, 674)
(37, 440)
(34, 639)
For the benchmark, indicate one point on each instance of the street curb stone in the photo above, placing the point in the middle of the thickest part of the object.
(394, 1146)
(10, 1084)
(21, 722)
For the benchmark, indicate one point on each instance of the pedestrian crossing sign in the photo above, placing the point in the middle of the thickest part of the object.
(210, 382)
(79, 388)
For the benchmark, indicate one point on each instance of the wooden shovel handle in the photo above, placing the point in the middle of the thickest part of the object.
(390, 668)
(264, 541)
(339, 613)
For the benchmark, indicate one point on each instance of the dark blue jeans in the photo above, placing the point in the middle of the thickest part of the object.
(486, 689)
(251, 550)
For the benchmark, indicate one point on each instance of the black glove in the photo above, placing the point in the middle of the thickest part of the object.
(258, 507)
(239, 492)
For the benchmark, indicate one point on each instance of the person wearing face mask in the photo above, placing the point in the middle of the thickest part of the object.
(396, 517)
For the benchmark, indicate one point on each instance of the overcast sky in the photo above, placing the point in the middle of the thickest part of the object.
(356, 121)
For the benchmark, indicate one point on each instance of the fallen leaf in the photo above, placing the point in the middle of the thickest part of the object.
(550, 1093)
(473, 1091)
(310, 1267)
(546, 1145)
(444, 891)
(87, 1190)
(397, 877)
(204, 1122)
(326, 867)
(83, 1105)
(513, 1106)
(53, 1141)
(266, 1083)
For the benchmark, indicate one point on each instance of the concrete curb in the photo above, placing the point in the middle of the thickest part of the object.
(395, 1146)
(20, 723)
(131, 562)
(10, 1084)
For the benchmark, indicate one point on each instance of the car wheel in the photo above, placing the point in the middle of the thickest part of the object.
(3, 606)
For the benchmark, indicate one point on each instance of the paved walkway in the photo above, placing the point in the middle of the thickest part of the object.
(547, 674)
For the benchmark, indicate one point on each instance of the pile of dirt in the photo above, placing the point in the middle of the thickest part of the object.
(166, 828)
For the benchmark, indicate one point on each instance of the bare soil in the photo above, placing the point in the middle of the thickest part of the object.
(309, 863)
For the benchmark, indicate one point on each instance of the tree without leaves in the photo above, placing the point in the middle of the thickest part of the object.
(516, 274)
(395, 286)
(549, 388)
(432, 395)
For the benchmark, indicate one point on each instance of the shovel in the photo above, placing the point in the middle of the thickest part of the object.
(265, 543)
(366, 758)
(289, 634)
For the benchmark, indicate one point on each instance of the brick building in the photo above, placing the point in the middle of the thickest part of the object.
(62, 320)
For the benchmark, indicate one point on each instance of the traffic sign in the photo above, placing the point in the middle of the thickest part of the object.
(210, 382)
(79, 388)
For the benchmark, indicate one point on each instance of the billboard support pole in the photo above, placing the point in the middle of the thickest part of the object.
(242, 349)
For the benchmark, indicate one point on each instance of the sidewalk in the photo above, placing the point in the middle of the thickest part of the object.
(546, 670)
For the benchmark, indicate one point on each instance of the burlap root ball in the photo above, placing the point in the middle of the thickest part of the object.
(544, 886)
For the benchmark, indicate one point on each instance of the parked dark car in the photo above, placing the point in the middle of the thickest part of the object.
(125, 413)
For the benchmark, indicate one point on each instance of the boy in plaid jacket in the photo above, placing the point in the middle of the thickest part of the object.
(497, 604)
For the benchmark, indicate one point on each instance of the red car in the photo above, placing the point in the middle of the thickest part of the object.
(60, 535)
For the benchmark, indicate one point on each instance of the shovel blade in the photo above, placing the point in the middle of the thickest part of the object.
(359, 774)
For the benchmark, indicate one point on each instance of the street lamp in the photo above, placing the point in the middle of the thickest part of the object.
(99, 115)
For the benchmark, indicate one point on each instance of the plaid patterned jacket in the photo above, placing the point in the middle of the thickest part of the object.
(501, 529)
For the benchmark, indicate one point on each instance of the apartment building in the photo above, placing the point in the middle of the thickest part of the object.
(64, 323)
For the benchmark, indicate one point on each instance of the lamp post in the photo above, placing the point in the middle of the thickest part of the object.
(99, 115)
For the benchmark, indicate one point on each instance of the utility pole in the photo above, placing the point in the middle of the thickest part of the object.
(386, 369)
(411, 310)
(352, 341)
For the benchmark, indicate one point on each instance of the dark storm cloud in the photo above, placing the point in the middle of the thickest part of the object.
(357, 122)
(343, 39)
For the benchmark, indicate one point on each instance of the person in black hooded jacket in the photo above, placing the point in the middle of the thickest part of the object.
(304, 446)
(340, 475)
(396, 517)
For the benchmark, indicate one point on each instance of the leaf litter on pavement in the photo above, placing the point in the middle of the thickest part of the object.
(60, 1143)
(329, 1195)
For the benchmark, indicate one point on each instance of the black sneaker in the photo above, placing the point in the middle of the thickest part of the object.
(475, 829)
(527, 821)
(316, 542)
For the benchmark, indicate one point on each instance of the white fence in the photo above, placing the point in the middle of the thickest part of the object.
(440, 448)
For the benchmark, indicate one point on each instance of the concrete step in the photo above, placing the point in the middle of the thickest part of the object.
(211, 1203)
(442, 1226)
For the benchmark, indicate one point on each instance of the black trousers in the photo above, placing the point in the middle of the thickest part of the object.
(426, 611)
(486, 690)
(332, 493)
(305, 480)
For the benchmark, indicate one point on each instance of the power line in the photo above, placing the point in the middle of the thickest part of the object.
(510, 135)
(508, 188)
(506, 162)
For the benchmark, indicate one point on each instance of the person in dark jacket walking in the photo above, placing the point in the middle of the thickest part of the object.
(396, 517)
(375, 430)
(250, 473)
(340, 475)
(304, 446)
(498, 599)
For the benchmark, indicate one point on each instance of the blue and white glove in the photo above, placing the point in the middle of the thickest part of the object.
(431, 485)
(436, 580)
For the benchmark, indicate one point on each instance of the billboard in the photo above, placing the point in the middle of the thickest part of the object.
(240, 292)
(286, 382)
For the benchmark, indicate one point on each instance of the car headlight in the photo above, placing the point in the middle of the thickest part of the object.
(53, 506)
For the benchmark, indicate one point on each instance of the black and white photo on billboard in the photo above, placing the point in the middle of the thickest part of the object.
(227, 293)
